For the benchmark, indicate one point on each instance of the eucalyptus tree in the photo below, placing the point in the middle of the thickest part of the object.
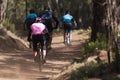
(2, 10)
(104, 21)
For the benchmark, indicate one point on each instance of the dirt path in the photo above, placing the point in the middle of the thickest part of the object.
(20, 65)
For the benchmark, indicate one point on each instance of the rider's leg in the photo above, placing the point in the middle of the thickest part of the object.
(50, 39)
(43, 47)
(65, 35)
(29, 38)
(70, 35)
(34, 47)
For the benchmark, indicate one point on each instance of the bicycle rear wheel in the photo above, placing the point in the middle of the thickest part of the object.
(68, 41)
(39, 58)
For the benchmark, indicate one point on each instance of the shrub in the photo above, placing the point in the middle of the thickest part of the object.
(92, 47)
(8, 25)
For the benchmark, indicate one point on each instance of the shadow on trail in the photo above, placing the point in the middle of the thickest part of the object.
(101, 72)
(63, 42)
(21, 64)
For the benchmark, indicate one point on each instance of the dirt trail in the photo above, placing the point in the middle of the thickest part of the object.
(21, 66)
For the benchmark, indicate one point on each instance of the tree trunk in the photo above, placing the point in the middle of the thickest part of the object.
(104, 21)
(2, 10)
(99, 18)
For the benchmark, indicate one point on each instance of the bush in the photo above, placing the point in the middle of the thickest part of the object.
(83, 73)
(8, 25)
(92, 47)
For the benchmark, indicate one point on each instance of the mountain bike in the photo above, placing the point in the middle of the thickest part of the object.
(39, 58)
(67, 41)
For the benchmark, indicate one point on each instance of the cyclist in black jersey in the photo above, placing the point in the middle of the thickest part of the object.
(48, 18)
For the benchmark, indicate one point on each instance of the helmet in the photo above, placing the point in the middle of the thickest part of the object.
(39, 20)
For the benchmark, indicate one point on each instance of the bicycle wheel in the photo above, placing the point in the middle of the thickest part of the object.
(39, 57)
(68, 41)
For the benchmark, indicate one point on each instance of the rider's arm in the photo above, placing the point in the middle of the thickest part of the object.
(56, 20)
(74, 23)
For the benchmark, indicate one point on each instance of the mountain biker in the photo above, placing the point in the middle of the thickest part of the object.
(38, 31)
(30, 18)
(68, 24)
(48, 18)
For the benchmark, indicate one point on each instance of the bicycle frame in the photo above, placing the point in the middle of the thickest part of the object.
(67, 38)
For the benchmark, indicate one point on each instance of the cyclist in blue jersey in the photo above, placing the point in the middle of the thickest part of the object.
(68, 24)
(30, 18)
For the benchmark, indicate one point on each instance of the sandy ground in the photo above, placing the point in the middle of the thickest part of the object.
(21, 66)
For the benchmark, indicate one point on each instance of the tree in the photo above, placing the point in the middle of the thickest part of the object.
(104, 21)
(6, 37)
(99, 18)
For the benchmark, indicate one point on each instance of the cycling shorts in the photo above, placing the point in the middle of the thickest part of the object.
(39, 38)
(67, 27)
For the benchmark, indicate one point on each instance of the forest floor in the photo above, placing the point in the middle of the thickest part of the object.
(21, 66)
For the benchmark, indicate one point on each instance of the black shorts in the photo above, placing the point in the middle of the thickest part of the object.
(68, 26)
(39, 38)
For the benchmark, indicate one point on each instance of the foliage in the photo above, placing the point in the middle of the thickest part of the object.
(8, 25)
(90, 70)
(94, 70)
(92, 47)
(17, 10)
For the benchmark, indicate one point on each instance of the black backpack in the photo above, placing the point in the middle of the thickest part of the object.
(46, 17)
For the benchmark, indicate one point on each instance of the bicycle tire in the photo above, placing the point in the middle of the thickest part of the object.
(68, 41)
(39, 58)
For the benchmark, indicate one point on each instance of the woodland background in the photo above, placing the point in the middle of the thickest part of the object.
(101, 16)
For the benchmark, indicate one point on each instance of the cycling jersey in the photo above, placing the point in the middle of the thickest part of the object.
(67, 18)
(31, 16)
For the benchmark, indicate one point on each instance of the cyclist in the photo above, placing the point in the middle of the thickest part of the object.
(38, 31)
(68, 24)
(47, 16)
(30, 18)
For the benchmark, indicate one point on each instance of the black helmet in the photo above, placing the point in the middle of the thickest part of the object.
(46, 8)
(38, 19)
(32, 11)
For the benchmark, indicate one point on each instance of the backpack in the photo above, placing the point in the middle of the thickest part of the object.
(46, 17)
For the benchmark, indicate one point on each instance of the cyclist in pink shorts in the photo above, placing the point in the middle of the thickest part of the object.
(38, 31)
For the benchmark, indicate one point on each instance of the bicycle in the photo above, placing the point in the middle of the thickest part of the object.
(39, 58)
(67, 39)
